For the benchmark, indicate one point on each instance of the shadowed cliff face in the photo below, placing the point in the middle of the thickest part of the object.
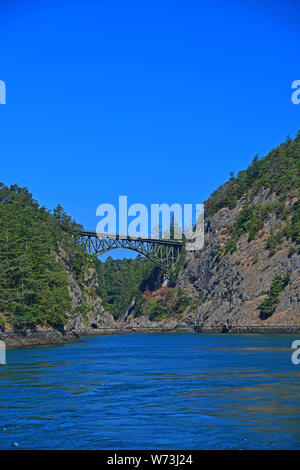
(87, 313)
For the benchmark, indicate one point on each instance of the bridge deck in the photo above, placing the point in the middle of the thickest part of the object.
(117, 236)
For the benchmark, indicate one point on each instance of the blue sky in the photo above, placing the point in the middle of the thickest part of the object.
(157, 100)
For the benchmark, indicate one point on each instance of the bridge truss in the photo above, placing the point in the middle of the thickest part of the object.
(165, 253)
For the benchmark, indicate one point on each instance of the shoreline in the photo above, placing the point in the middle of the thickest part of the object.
(19, 339)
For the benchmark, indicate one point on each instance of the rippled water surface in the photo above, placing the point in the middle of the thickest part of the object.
(156, 391)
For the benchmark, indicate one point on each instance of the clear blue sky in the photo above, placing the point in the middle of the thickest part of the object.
(157, 100)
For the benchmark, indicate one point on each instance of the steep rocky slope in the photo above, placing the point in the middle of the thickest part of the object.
(87, 313)
(230, 288)
(247, 276)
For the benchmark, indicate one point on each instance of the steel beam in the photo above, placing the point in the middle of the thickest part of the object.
(163, 252)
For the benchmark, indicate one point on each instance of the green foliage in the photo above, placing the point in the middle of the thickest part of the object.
(79, 262)
(231, 246)
(295, 223)
(250, 220)
(278, 171)
(66, 223)
(182, 301)
(33, 281)
(274, 239)
(82, 308)
(2, 320)
(173, 275)
(165, 301)
(172, 227)
(157, 310)
(292, 251)
(269, 305)
(122, 280)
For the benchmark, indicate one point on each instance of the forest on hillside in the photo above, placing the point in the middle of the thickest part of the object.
(121, 281)
(33, 281)
(278, 173)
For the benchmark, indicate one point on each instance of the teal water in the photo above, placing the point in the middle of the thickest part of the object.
(156, 391)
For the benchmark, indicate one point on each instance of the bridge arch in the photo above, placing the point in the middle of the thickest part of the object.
(165, 253)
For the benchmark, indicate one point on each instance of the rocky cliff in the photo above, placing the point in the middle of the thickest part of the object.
(230, 288)
(247, 276)
(87, 314)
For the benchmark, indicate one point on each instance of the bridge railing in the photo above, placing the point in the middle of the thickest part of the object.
(116, 236)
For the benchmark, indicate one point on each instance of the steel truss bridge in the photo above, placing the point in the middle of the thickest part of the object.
(163, 252)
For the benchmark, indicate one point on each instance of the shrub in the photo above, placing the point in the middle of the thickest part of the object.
(269, 305)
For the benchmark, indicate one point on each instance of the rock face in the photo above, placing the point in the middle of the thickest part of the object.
(37, 337)
(230, 289)
(88, 315)
(227, 289)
